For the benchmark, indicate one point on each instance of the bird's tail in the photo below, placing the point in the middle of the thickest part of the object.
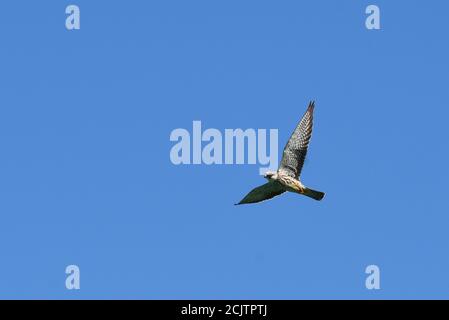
(317, 195)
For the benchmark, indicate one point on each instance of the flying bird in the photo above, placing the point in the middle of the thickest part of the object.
(286, 178)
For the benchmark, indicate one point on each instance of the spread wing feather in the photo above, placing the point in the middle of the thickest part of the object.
(295, 150)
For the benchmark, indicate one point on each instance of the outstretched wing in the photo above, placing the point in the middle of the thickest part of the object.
(295, 150)
(264, 192)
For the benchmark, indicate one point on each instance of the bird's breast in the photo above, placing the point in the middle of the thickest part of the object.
(291, 183)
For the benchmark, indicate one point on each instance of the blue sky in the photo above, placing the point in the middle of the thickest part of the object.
(85, 171)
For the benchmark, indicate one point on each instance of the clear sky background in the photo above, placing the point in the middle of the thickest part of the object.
(86, 177)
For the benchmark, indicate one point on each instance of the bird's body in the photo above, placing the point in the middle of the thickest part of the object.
(286, 178)
(292, 184)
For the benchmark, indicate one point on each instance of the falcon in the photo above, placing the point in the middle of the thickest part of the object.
(286, 178)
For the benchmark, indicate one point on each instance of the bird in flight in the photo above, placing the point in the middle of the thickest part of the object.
(286, 178)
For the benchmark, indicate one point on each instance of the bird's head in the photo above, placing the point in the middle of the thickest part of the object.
(270, 175)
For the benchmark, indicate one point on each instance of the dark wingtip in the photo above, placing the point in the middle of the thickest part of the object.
(311, 105)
